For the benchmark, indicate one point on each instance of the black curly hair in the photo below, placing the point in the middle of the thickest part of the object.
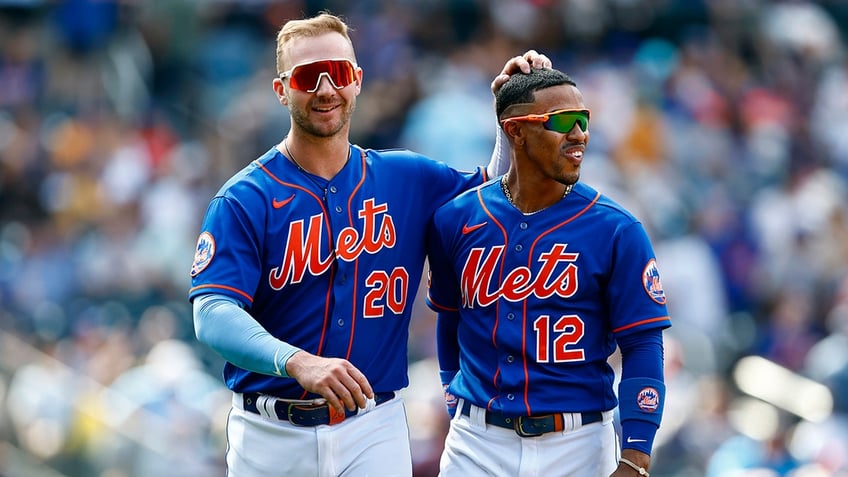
(521, 88)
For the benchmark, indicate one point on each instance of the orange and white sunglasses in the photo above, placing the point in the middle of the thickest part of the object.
(307, 76)
(561, 121)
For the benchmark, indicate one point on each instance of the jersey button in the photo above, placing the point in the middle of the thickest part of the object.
(333, 189)
(339, 209)
(510, 358)
(341, 322)
(510, 316)
(519, 248)
(523, 225)
(510, 396)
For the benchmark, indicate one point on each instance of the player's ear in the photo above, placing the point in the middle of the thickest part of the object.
(513, 130)
(358, 80)
(280, 91)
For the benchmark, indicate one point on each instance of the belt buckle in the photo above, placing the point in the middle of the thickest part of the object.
(518, 426)
(333, 416)
(292, 406)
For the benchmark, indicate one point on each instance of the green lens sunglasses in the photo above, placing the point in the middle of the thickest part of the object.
(561, 121)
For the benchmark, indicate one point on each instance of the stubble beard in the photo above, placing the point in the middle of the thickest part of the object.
(324, 129)
(570, 178)
(567, 177)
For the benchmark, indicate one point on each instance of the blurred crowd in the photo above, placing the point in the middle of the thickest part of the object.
(722, 124)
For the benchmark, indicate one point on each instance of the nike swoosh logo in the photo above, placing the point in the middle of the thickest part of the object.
(467, 230)
(279, 204)
(630, 439)
(277, 370)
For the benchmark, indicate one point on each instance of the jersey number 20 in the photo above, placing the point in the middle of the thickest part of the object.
(388, 289)
(558, 338)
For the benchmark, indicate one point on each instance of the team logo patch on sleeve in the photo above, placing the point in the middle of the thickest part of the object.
(651, 281)
(203, 253)
(648, 400)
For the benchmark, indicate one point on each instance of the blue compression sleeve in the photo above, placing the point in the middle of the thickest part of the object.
(447, 349)
(641, 368)
(447, 345)
(642, 355)
(223, 325)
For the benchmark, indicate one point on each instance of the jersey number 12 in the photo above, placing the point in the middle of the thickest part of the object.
(557, 338)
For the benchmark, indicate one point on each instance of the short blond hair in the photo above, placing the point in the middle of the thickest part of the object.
(320, 24)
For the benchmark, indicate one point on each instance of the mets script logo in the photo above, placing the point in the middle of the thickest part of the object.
(302, 251)
(648, 399)
(203, 253)
(480, 285)
(651, 281)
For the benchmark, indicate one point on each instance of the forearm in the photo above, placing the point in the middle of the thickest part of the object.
(642, 389)
(447, 345)
(228, 329)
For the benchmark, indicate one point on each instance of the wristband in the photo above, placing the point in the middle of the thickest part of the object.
(642, 399)
(635, 467)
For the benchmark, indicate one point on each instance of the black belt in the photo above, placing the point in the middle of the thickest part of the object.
(531, 426)
(306, 414)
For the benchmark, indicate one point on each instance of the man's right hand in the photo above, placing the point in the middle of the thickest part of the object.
(520, 64)
(335, 379)
(450, 401)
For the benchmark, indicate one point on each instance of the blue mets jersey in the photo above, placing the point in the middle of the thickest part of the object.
(331, 267)
(540, 298)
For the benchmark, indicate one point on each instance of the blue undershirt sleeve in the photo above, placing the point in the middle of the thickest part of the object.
(642, 355)
(641, 367)
(222, 324)
(447, 345)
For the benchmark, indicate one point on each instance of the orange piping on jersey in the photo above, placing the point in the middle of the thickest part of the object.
(289, 184)
(355, 265)
(500, 279)
(500, 274)
(222, 287)
(524, 351)
(524, 323)
(639, 323)
(330, 244)
(557, 226)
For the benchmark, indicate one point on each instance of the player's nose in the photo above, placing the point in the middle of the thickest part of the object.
(577, 135)
(325, 85)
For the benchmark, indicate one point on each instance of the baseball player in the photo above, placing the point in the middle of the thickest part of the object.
(305, 272)
(536, 277)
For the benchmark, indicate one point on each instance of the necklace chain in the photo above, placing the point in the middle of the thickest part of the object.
(508, 195)
(301, 169)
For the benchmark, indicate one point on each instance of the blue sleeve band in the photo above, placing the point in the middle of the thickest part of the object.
(641, 399)
(638, 435)
(223, 325)
(640, 406)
